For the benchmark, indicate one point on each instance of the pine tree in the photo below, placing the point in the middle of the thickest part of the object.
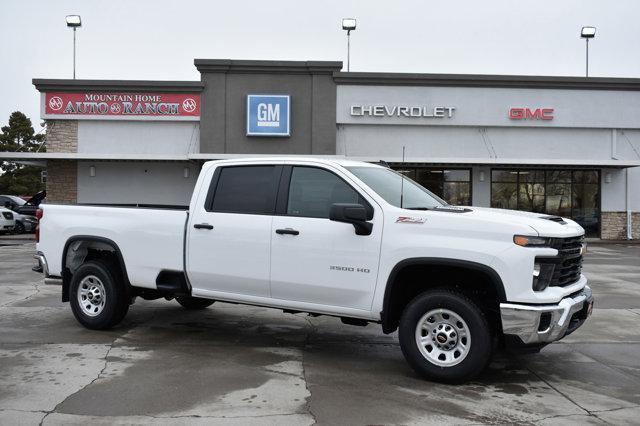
(19, 136)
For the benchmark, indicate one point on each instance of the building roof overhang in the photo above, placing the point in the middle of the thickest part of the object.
(514, 162)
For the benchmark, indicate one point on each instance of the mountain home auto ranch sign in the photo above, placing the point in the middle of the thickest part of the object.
(122, 105)
(402, 111)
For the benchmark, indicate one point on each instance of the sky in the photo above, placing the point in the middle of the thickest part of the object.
(158, 40)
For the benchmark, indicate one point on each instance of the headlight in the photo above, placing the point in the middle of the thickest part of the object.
(529, 241)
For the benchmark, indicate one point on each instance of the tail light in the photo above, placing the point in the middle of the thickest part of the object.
(39, 214)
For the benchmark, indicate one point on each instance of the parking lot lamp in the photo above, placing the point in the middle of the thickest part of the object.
(348, 24)
(586, 34)
(74, 21)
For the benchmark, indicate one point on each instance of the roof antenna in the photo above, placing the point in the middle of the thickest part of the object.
(402, 181)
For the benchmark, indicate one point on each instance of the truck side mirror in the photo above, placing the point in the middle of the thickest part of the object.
(355, 214)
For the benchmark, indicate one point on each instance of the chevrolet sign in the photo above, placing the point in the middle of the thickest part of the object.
(402, 111)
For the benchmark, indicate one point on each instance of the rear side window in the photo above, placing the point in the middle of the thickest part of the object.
(246, 189)
(312, 191)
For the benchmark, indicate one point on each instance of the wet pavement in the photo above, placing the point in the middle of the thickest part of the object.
(243, 365)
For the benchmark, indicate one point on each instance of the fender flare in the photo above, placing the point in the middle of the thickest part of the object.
(66, 275)
(494, 278)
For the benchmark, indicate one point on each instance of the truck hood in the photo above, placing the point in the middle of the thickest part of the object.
(545, 225)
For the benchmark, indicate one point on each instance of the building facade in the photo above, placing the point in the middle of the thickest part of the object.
(559, 145)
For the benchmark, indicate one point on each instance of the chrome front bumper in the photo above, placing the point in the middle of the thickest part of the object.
(535, 324)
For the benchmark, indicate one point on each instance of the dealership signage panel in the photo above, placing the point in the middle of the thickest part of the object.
(268, 115)
(122, 105)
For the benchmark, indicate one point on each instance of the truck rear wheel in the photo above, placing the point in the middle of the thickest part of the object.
(98, 297)
(194, 303)
(445, 336)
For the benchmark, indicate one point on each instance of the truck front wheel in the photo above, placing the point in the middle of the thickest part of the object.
(445, 336)
(98, 298)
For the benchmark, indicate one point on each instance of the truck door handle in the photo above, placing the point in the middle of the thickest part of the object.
(203, 226)
(287, 231)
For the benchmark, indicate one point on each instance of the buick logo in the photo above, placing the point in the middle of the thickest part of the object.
(55, 103)
(189, 105)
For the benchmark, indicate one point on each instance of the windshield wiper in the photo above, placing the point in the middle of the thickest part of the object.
(418, 208)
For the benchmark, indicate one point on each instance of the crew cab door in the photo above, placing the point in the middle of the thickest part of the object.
(316, 260)
(229, 233)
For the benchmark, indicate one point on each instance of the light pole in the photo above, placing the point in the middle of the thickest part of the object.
(348, 24)
(74, 21)
(586, 34)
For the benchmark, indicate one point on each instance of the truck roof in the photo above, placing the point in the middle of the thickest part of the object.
(293, 158)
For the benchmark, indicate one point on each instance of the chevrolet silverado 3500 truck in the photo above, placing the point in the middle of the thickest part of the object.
(343, 238)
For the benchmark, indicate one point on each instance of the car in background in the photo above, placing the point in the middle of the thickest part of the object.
(7, 222)
(19, 205)
(23, 211)
(24, 223)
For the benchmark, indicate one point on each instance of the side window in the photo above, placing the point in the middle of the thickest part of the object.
(246, 189)
(312, 191)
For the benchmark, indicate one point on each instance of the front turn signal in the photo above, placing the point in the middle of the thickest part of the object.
(529, 241)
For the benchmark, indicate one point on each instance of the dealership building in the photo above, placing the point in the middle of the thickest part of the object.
(566, 146)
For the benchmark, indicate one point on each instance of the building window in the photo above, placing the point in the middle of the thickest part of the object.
(452, 185)
(568, 193)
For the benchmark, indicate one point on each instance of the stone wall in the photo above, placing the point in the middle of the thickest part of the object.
(62, 136)
(62, 181)
(62, 175)
(614, 225)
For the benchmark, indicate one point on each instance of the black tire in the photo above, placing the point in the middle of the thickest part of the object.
(480, 347)
(194, 303)
(116, 300)
(18, 228)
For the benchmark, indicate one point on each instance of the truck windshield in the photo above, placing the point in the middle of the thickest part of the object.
(396, 189)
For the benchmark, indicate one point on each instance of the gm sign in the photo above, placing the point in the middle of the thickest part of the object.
(268, 115)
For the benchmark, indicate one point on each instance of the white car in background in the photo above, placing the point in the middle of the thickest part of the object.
(7, 221)
(25, 222)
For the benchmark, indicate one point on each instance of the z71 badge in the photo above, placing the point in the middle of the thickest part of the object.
(409, 219)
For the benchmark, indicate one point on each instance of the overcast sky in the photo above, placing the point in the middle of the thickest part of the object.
(159, 39)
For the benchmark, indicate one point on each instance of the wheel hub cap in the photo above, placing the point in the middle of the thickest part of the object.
(443, 337)
(91, 296)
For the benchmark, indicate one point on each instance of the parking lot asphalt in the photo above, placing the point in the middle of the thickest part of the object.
(241, 365)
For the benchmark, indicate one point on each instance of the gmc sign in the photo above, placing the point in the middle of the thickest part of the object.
(531, 114)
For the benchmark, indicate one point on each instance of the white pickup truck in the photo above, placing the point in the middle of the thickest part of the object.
(335, 237)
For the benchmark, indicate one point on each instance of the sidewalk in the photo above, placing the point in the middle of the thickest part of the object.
(598, 241)
(12, 240)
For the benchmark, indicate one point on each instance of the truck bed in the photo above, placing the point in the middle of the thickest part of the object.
(150, 238)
